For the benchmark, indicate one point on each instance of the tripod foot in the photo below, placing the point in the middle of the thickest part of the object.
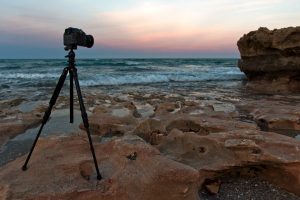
(24, 168)
(99, 177)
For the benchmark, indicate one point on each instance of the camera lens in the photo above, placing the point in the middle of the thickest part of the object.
(89, 41)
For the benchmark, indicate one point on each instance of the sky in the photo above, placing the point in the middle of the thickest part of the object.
(138, 28)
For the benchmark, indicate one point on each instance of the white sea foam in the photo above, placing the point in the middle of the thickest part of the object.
(28, 76)
(152, 78)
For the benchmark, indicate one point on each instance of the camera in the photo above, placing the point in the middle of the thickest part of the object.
(75, 36)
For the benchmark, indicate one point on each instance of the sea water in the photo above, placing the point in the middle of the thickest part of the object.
(37, 78)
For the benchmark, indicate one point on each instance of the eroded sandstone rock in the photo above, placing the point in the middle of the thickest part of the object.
(194, 143)
(62, 168)
(113, 120)
(271, 59)
(273, 115)
(217, 153)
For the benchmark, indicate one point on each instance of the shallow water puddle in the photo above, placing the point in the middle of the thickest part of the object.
(58, 125)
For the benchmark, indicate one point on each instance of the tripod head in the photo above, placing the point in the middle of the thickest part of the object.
(71, 55)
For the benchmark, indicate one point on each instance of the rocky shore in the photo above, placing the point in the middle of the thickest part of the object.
(184, 146)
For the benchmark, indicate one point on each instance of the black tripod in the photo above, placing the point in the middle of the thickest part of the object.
(71, 69)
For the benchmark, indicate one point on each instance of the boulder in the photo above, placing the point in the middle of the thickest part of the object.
(272, 59)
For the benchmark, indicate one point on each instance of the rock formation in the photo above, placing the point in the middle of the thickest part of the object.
(271, 59)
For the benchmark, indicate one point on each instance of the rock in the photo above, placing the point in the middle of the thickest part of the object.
(272, 59)
(144, 110)
(219, 106)
(212, 187)
(218, 153)
(167, 108)
(105, 124)
(6, 104)
(60, 166)
(151, 130)
(273, 115)
(86, 169)
(113, 121)
(133, 109)
(3, 192)
(200, 152)
(203, 124)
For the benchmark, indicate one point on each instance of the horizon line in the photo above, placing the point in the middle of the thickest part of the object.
(122, 58)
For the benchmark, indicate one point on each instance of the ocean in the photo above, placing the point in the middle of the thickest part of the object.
(35, 78)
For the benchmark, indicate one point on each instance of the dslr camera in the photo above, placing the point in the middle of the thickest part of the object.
(74, 37)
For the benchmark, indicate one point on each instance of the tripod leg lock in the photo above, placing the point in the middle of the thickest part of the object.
(46, 116)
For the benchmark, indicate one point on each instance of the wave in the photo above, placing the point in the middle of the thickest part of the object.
(157, 78)
(109, 63)
(29, 76)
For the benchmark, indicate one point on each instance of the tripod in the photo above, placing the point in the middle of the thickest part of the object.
(71, 69)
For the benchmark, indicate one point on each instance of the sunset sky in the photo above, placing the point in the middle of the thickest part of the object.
(138, 28)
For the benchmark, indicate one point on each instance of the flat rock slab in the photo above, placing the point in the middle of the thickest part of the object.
(62, 168)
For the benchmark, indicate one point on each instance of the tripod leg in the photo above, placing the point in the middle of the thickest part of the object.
(71, 97)
(48, 112)
(85, 120)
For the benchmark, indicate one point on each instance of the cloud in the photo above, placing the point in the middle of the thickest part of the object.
(183, 26)
(161, 27)
(144, 25)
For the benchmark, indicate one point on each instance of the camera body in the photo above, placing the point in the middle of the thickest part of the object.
(74, 37)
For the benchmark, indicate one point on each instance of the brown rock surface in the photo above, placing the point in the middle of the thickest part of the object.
(113, 120)
(271, 58)
(273, 115)
(153, 129)
(216, 153)
(62, 169)
(195, 143)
